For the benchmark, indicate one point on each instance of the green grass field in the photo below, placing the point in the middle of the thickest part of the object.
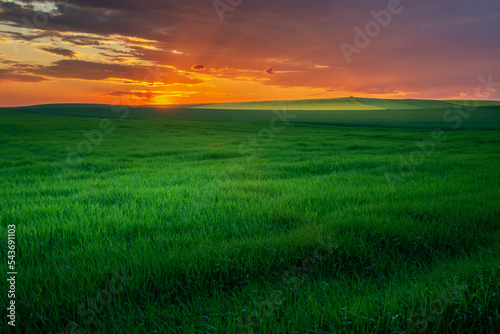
(203, 226)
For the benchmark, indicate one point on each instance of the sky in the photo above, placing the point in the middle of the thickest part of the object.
(211, 51)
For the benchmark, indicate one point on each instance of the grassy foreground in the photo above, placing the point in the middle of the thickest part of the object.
(160, 226)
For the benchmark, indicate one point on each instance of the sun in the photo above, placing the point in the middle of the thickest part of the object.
(164, 100)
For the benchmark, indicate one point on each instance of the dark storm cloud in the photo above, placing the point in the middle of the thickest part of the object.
(16, 65)
(28, 37)
(79, 40)
(125, 5)
(79, 69)
(12, 75)
(60, 52)
(289, 22)
(118, 52)
(146, 19)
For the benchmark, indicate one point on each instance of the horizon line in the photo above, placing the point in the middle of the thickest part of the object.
(211, 103)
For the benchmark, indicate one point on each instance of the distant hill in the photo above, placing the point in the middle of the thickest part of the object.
(352, 103)
(316, 104)
(365, 112)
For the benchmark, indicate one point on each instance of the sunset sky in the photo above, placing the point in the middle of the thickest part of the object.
(204, 51)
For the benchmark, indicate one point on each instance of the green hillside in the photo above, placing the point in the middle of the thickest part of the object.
(352, 103)
(475, 103)
(418, 114)
(393, 104)
(315, 104)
